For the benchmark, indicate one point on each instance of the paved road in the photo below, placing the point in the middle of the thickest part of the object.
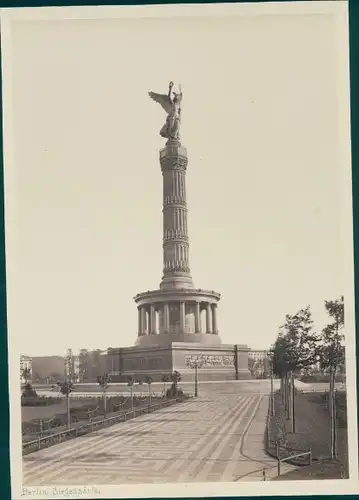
(217, 437)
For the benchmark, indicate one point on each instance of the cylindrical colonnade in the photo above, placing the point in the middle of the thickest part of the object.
(177, 317)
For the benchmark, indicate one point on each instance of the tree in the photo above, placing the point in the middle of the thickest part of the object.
(149, 381)
(301, 343)
(332, 356)
(332, 352)
(84, 365)
(296, 348)
(104, 381)
(66, 388)
(140, 383)
(278, 356)
(26, 374)
(70, 366)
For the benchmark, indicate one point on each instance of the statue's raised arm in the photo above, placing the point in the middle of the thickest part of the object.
(172, 106)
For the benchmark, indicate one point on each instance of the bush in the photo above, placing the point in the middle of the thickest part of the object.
(29, 392)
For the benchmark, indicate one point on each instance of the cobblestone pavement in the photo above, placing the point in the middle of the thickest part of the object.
(216, 437)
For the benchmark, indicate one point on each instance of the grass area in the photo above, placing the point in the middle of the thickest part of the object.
(324, 470)
(311, 409)
(79, 413)
(29, 413)
(321, 398)
(322, 377)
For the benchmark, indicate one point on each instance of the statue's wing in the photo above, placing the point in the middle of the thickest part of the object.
(162, 99)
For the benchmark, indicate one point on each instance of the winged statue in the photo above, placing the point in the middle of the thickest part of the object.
(171, 103)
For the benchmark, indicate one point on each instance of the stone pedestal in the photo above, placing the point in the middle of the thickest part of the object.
(218, 362)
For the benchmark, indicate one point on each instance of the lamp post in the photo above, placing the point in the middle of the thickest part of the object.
(196, 364)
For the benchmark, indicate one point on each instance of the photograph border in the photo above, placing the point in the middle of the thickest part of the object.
(5, 488)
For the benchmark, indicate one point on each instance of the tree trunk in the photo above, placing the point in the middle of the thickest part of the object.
(287, 397)
(293, 404)
(331, 414)
(68, 412)
(282, 389)
(334, 415)
(104, 403)
(271, 394)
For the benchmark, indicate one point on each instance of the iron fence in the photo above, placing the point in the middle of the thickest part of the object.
(264, 471)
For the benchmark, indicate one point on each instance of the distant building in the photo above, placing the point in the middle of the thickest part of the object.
(45, 368)
(25, 369)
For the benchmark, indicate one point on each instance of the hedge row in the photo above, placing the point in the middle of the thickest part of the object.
(39, 401)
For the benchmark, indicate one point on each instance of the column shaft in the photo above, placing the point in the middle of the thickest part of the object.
(176, 271)
(152, 319)
(166, 317)
(139, 321)
(214, 319)
(208, 319)
(143, 320)
(182, 316)
(197, 318)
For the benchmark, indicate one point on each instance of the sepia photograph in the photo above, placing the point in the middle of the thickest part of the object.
(179, 250)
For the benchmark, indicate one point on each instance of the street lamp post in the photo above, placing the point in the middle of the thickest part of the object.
(196, 364)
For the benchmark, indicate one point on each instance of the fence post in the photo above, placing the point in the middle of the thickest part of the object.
(264, 474)
(278, 467)
(39, 443)
(310, 457)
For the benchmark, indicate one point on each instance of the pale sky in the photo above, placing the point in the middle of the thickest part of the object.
(264, 191)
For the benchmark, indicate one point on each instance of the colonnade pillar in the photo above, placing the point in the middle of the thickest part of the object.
(208, 319)
(140, 328)
(182, 316)
(197, 318)
(152, 321)
(214, 319)
(166, 318)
